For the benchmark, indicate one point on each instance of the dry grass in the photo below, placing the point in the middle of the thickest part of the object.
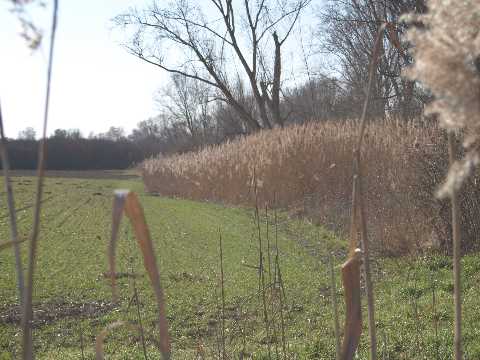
(307, 169)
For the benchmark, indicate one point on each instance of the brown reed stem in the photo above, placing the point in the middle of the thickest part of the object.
(361, 204)
(270, 283)
(268, 246)
(435, 319)
(139, 320)
(27, 343)
(262, 284)
(137, 305)
(217, 337)
(333, 293)
(456, 232)
(281, 290)
(11, 210)
(223, 295)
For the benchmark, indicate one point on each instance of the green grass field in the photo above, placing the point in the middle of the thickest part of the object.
(73, 298)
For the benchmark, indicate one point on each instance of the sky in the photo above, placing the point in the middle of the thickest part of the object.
(95, 82)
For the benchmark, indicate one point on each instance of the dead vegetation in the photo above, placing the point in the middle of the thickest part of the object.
(307, 170)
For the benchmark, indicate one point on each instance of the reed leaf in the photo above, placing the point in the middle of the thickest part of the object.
(126, 201)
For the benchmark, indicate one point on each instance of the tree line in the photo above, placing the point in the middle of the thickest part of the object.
(227, 75)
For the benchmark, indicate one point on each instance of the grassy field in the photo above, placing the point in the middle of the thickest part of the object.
(73, 299)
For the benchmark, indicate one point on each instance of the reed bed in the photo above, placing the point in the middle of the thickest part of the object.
(307, 170)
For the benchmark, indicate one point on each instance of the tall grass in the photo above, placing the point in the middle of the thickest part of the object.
(309, 169)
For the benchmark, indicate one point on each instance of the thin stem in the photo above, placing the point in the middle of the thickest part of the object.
(333, 292)
(262, 282)
(280, 283)
(270, 283)
(135, 297)
(139, 319)
(82, 345)
(223, 296)
(11, 210)
(27, 305)
(435, 320)
(361, 204)
(456, 228)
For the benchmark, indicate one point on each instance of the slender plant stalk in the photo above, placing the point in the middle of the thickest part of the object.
(282, 293)
(435, 320)
(244, 335)
(261, 274)
(82, 345)
(137, 305)
(415, 312)
(456, 255)
(27, 345)
(385, 346)
(361, 204)
(271, 284)
(139, 319)
(336, 325)
(217, 336)
(222, 280)
(268, 246)
(11, 210)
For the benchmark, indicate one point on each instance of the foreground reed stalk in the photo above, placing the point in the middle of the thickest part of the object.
(358, 191)
(27, 345)
(456, 255)
(333, 289)
(280, 283)
(11, 210)
(222, 284)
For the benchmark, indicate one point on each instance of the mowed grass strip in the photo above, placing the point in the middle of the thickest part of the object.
(73, 298)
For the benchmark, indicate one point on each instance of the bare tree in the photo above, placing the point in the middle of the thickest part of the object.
(319, 98)
(188, 102)
(232, 41)
(114, 133)
(28, 133)
(348, 32)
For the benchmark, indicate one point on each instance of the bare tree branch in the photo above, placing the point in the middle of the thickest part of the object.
(206, 45)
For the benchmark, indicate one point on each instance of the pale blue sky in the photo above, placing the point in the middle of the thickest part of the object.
(96, 83)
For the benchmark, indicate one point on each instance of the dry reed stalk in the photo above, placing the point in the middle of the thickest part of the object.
(456, 231)
(271, 283)
(261, 274)
(218, 341)
(353, 311)
(27, 313)
(135, 298)
(435, 320)
(282, 290)
(333, 294)
(267, 235)
(11, 211)
(361, 203)
(222, 286)
(139, 320)
(127, 201)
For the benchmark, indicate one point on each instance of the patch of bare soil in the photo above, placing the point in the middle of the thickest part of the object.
(185, 276)
(49, 312)
(82, 174)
